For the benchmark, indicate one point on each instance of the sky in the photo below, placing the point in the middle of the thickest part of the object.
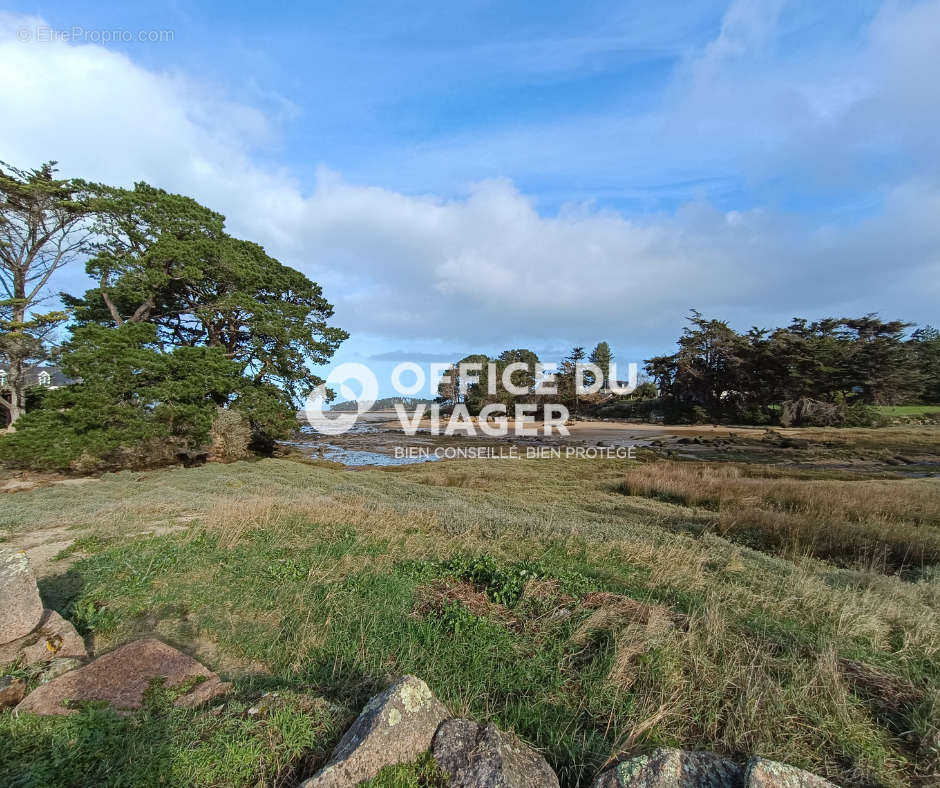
(475, 176)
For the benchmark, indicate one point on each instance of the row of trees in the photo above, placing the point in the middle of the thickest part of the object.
(720, 374)
(181, 319)
(484, 383)
(845, 361)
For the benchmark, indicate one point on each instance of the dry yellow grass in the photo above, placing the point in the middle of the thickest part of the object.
(893, 524)
(770, 656)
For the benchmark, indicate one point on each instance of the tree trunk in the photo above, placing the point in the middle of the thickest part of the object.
(16, 380)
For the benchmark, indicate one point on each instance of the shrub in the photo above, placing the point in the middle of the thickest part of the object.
(230, 437)
(135, 407)
(628, 409)
(806, 412)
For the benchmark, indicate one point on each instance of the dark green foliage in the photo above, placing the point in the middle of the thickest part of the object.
(165, 259)
(645, 390)
(504, 583)
(566, 379)
(383, 403)
(854, 362)
(136, 405)
(478, 395)
(602, 356)
(925, 347)
(183, 319)
(629, 409)
(42, 229)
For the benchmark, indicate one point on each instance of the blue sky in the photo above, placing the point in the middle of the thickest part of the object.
(483, 175)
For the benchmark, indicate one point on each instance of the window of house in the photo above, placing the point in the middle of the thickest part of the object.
(44, 378)
(3, 377)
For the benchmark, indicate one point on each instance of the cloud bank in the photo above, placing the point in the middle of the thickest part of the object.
(841, 216)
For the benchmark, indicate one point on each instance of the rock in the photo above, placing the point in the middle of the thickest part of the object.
(58, 667)
(478, 756)
(806, 412)
(11, 691)
(20, 605)
(121, 678)
(670, 768)
(761, 773)
(265, 705)
(53, 637)
(396, 726)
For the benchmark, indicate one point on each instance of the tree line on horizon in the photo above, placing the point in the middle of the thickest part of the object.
(837, 368)
(846, 365)
(182, 320)
(477, 391)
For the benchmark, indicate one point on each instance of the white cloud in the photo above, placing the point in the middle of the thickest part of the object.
(488, 266)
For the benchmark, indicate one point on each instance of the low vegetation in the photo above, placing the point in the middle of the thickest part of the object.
(165, 745)
(890, 524)
(593, 618)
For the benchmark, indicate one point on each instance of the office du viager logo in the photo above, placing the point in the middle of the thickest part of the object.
(545, 416)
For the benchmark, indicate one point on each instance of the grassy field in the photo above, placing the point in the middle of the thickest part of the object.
(598, 608)
(908, 410)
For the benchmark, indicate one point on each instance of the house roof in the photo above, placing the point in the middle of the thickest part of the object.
(56, 376)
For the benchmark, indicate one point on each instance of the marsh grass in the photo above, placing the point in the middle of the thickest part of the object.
(593, 624)
(894, 524)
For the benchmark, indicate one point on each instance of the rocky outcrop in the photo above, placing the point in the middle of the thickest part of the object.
(406, 720)
(670, 768)
(761, 773)
(58, 666)
(806, 412)
(12, 691)
(20, 606)
(121, 678)
(395, 726)
(53, 637)
(478, 756)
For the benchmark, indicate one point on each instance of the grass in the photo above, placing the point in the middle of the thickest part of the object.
(164, 745)
(593, 620)
(908, 410)
(424, 773)
(895, 524)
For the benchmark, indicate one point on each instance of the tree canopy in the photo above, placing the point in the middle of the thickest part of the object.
(175, 294)
(863, 360)
(43, 228)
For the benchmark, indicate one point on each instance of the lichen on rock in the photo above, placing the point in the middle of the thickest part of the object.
(395, 726)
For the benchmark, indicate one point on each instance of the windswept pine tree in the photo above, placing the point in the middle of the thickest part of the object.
(174, 292)
(850, 362)
(43, 228)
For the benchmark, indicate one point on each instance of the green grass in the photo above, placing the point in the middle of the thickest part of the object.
(907, 410)
(424, 773)
(164, 745)
(310, 580)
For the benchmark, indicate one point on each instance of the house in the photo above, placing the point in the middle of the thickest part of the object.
(47, 377)
(620, 387)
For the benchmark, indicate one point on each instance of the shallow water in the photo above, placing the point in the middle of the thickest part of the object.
(359, 457)
(313, 444)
